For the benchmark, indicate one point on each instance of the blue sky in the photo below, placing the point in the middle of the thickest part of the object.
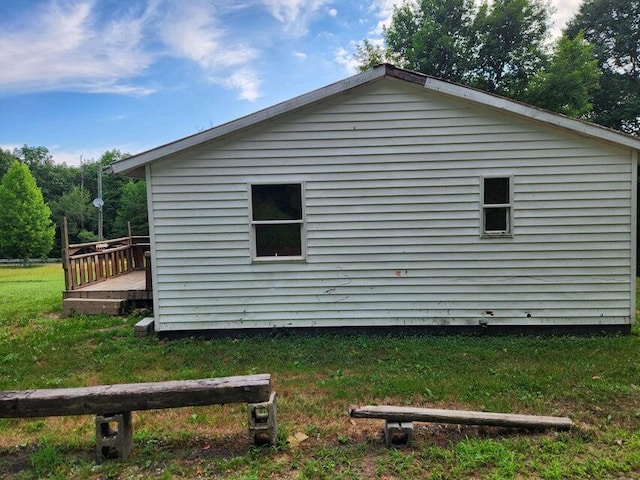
(84, 76)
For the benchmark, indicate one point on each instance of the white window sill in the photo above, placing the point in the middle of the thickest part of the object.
(283, 259)
(496, 235)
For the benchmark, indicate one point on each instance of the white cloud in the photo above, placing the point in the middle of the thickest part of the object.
(346, 60)
(332, 12)
(245, 80)
(294, 14)
(9, 146)
(300, 55)
(193, 31)
(564, 11)
(383, 10)
(71, 46)
(62, 48)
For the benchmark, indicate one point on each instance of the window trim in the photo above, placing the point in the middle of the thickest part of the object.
(497, 233)
(302, 222)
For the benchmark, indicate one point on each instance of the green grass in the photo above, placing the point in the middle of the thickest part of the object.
(30, 292)
(595, 381)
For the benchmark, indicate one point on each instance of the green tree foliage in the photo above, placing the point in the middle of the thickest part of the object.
(133, 209)
(369, 55)
(76, 206)
(508, 45)
(497, 46)
(432, 37)
(6, 159)
(52, 178)
(613, 27)
(26, 230)
(568, 83)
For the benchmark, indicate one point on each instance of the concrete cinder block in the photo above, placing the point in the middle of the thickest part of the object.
(144, 327)
(398, 434)
(263, 421)
(114, 437)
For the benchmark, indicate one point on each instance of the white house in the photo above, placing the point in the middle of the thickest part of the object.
(392, 199)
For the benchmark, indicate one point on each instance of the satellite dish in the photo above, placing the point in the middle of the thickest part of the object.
(98, 202)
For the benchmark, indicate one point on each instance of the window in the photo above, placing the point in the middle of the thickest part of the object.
(277, 221)
(496, 206)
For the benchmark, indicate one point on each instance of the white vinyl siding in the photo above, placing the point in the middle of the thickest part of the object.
(393, 203)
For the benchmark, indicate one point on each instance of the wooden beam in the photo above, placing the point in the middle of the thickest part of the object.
(465, 417)
(111, 399)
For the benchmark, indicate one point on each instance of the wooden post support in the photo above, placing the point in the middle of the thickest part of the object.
(68, 282)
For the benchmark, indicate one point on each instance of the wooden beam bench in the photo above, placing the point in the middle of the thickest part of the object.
(398, 427)
(113, 404)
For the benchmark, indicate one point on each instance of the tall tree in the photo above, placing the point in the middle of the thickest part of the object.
(54, 179)
(26, 229)
(76, 206)
(613, 26)
(497, 46)
(432, 37)
(568, 83)
(510, 44)
(133, 209)
(6, 159)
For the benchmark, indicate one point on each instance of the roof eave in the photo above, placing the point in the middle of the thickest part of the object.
(134, 165)
(136, 162)
(522, 109)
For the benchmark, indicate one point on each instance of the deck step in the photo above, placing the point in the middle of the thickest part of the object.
(91, 306)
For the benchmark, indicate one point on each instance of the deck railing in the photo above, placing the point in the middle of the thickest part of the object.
(92, 262)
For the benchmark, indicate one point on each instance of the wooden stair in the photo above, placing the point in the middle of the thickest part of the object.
(93, 306)
(110, 296)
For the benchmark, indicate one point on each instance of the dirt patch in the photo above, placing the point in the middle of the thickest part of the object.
(14, 461)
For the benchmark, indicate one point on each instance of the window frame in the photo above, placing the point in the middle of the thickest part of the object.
(484, 233)
(302, 222)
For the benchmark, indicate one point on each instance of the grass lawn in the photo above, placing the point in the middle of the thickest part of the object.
(595, 381)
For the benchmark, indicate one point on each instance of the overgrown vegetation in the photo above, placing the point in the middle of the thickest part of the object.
(595, 381)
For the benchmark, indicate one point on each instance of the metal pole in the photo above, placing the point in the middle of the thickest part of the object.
(100, 236)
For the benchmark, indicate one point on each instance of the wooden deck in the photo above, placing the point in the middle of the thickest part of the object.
(106, 277)
(111, 296)
(128, 286)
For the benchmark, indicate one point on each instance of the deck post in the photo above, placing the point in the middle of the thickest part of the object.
(68, 284)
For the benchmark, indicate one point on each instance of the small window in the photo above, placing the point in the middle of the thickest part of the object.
(277, 221)
(496, 206)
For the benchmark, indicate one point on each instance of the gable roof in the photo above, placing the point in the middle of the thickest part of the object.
(134, 165)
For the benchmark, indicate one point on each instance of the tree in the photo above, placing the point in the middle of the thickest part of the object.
(26, 229)
(6, 159)
(510, 36)
(613, 27)
(369, 55)
(133, 209)
(568, 83)
(432, 37)
(76, 206)
(52, 178)
(497, 47)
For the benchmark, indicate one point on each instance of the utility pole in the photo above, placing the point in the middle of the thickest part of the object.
(101, 202)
